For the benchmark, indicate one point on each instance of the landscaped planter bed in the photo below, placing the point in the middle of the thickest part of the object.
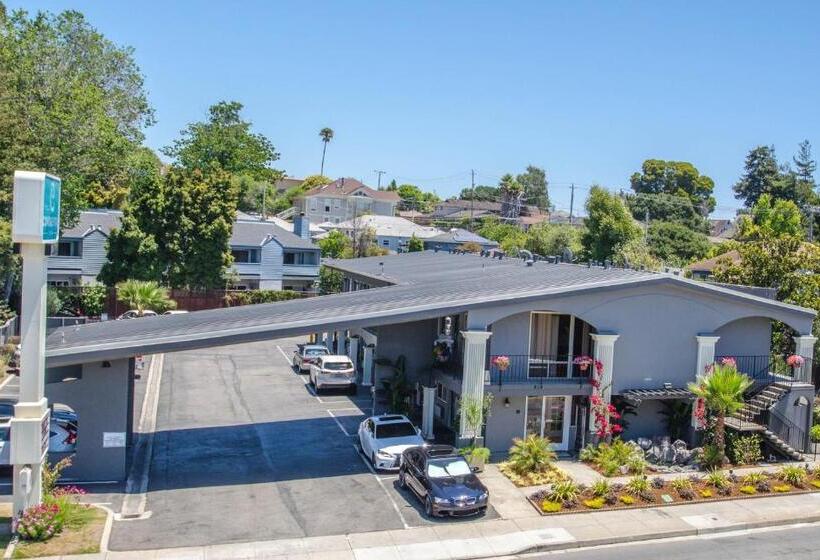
(699, 489)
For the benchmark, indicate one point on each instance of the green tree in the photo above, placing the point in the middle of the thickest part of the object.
(330, 281)
(676, 244)
(414, 245)
(481, 192)
(678, 178)
(761, 175)
(532, 454)
(326, 134)
(510, 237)
(143, 296)
(770, 218)
(535, 185)
(336, 245)
(553, 239)
(635, 253)
(666, 208)
(72, 103)
(413, 198)
(225, 141)
(608, 225)
(722, 392)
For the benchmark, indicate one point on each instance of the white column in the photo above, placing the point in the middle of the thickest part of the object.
(367, 366)
(604, 352)
(341, 337)
(353, 351)
(325, 340)
(804, 347)
(706, 352)
(428, 406)
(472, 379)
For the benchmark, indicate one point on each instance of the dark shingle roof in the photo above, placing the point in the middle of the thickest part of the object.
(103, 220)
(252, 233)
(457, 235)
(347, 186)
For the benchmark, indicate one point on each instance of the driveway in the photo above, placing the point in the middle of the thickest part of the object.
(245, 451)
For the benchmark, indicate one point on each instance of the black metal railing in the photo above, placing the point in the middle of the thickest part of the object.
(537, 370)
(795, 436)
(768, 369)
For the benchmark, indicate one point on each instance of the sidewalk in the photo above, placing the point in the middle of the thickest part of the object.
(484, 539)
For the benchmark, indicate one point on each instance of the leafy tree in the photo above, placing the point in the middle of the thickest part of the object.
(511, 193)
(553, 239)
(413, 198)
(666, 208)
(225, 142)
(283, 200)
(510, 237)
(72, 103)
(722, 391)
(608, 225)
(771, 219)
(336, 245)
(330, 281)
(143, 296)
(677, 178)
(635, 253)
(675, 243)
(481, 192)
(534, 182)
(326, 134)
(531, 455)
(761, 175)
(414, 245)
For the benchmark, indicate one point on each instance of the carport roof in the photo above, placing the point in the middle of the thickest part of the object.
(440, 284)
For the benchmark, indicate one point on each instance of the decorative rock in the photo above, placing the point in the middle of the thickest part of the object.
(644, 443)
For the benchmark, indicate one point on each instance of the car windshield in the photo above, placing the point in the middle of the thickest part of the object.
(399, 429)
(315, 352)
(337, 366)
(451, 466)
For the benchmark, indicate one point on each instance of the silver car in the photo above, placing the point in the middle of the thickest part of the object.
(335, 372)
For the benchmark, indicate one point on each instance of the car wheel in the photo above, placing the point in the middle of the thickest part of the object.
(352, 389)
(428, 506)
(373, 460)
(402, 481)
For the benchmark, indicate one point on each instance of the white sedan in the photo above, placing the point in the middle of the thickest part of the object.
(384, 438)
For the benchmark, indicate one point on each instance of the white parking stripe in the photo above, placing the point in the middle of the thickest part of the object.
(348, 434)
(308, 387)
(381, 483)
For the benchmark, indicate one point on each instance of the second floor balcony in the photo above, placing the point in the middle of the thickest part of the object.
(537, 370)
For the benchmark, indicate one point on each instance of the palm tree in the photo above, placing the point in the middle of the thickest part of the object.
(722, 393)
(143, 296)
(531, 454)
(326, 134)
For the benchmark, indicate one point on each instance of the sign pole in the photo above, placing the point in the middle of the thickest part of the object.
(36, 223)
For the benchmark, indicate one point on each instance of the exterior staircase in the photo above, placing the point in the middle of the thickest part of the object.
(285, 214)
(750, 418)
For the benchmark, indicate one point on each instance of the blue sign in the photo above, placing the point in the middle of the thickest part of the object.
(51, 209)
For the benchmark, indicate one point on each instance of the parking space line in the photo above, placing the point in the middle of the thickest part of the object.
(307, 385)
(348, 434)
(381, 483)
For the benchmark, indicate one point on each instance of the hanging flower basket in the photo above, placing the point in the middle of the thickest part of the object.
(501, 363)
(795, 361)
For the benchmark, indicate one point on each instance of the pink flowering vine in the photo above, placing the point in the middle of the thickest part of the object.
(795, 361)
(603, 412)
(700, 413)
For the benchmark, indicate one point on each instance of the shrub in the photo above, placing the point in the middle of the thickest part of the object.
(610, 499)
(588, 454)
(600, 488)
(563, 492)
(725, 491)
(710, 457)
(627, 500)
(637, 485)
(531, 454)
(687, 494)
(748, 489)
(610, 457)
(793, 475)
(658, 482)
(763, 486)
(550, 507)
(814, 433)
(815, 483)
(781, 487)
(609, 468)
(40, 523)
(717, 479)
(249, 297)
(706, 493)
(679, 484)
(647, 496)
(745, 450)
(636, 465)
(755, 478)
(475, 454)
(594, 503)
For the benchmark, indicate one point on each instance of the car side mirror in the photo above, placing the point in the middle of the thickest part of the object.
(475, 469)
(418, 431)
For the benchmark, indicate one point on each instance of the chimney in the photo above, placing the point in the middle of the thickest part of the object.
(301, 226)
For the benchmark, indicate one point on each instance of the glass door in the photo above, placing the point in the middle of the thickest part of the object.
(549, 417)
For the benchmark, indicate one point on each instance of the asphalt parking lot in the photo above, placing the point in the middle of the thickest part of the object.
(245, 451)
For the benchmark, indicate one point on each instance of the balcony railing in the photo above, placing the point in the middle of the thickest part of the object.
(767, 369)
(538, 370)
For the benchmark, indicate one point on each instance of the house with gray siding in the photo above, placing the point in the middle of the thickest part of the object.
(390, 232)
(265, 255)
(345, 199)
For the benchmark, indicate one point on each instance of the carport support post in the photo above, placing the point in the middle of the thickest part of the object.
(367, 365)
(472, 379)
(353, 352)
(605, 353)
(427, 409)
(30, 411)
(706, 352)
(804, 347)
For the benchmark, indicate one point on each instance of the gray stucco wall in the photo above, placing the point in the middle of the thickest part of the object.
(647, 422)
(94, 253)
(746, 337)
(102, 400)
(788, 406)
(413, 340)
(505, 423)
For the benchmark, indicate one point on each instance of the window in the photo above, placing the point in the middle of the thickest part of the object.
(306, 258)
(386, 242)
(449, 467)
(327, 208)
(72, 248)
(245, 255)
(398, 429)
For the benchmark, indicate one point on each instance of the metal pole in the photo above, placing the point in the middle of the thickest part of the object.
(472, 196)
(571, 201)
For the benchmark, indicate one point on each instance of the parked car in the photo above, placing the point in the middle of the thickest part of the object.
(443, 481)
(306, 354)
(333, 372)
(7, 409)
(175, 312)
(134, 314)
(62, 437)
(384, 438)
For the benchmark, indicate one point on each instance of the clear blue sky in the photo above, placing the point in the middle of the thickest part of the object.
(428, 90)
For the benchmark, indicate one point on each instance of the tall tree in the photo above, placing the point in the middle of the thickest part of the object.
(678, 178)
(770, 219)
(535, 185)
(804, 164)
(676, 244)
(511, 193)
(326, 134)
(608, 225)
(666, 208)
(761, 175)
(480, 192)
(225, 141)
(72, 102)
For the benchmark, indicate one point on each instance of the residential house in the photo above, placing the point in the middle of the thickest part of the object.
(722, 228)
(455, 238)
(344, 199)
(265, 255)
(704, 269)
(391, 232)
(651, 333)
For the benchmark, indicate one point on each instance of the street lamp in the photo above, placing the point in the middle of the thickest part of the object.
(36, 222)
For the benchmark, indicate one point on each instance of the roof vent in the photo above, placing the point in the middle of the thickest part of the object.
(607, 264)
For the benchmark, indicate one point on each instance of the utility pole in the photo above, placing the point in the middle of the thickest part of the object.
(646, 226)
(472, 196)
(571, 200)
(379, 173)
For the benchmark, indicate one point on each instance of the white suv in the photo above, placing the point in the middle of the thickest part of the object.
(384, 438)
(333, 372)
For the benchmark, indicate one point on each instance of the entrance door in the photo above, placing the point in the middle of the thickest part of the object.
(549, 417)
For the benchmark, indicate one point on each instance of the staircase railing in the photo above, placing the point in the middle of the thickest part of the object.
(795, 436)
